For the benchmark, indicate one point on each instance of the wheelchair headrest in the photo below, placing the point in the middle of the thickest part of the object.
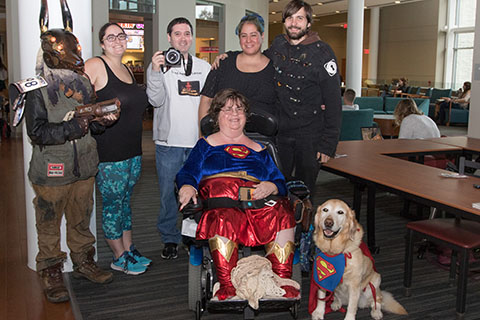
(259, 121)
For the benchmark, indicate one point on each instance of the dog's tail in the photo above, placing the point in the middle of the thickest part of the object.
(391, 305)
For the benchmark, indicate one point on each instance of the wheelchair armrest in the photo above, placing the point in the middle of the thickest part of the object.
(298, 189)
(192, 210)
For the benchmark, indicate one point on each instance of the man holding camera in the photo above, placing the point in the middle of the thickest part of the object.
(174, 81)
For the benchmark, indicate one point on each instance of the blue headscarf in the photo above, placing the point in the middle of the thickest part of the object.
(252, 17)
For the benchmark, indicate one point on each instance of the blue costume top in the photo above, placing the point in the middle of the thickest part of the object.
(206, 160)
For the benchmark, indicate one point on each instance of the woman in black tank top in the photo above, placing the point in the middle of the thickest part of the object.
(119, 147)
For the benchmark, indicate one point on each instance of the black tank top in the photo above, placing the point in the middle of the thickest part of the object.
(122, 140)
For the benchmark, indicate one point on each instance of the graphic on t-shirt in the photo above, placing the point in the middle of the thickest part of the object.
(188, 88)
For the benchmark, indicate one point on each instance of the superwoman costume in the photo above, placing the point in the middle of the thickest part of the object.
(219, 171)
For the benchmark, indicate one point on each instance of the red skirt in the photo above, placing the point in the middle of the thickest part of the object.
(250, 227)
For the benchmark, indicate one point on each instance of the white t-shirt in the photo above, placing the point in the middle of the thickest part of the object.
(417, 126)
(183, 106)
(350, 107)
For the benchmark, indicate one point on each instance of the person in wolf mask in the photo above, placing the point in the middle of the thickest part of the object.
(64, 158)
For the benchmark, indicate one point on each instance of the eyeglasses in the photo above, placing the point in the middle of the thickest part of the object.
(112, 37)
(231, 109)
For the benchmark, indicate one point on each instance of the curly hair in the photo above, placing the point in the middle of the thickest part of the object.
(221, 99)
(405, 108)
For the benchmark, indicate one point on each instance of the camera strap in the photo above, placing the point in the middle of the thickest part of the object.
(188, 66)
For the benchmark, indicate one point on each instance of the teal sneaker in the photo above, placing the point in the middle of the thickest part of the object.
(127, 264)
(138, 256)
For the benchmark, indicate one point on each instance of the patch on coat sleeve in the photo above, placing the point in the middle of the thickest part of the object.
(331, 67)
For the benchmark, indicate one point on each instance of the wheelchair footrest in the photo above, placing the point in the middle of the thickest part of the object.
(214, 306)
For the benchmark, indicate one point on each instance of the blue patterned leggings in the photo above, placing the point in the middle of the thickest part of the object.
(116, 180)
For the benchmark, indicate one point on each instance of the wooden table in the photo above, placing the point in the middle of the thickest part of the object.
(386, 123)
(370, 164)
(466, 143)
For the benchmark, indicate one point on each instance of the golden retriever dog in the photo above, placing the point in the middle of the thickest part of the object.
(338, 232)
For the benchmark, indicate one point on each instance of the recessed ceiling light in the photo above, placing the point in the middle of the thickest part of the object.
(273, 12)
(397, 2)
(274, 21)
(275, 0)
(337, 11)
(320, 4)
(314, 15)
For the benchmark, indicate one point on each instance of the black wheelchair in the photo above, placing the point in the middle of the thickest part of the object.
(201, 270)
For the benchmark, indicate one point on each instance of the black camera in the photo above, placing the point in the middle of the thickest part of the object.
(172, 57)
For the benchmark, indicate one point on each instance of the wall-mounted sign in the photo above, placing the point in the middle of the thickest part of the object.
(209, 49)
(135, 34)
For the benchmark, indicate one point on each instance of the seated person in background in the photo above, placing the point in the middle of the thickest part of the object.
(413, 123)
(348, 98)
(461, 102)
(248, 71)
(401, 86)
(218, 166)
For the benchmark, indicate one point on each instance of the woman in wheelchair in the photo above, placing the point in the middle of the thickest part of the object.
(246, 194)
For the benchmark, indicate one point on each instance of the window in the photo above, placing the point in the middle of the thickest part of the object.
(140, 6)
(465, 13)
(460, 37)
(210, 38)
(462, 58)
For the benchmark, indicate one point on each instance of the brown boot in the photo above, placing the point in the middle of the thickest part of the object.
(85, 267)
(53, 286)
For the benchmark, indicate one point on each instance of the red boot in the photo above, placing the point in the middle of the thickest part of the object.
(225, 257)
(282, 259)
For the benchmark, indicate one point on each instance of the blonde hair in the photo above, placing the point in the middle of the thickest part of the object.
(405, 108)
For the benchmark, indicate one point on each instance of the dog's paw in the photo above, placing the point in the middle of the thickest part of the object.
(336, 304)
(376, 314)
(317, 315)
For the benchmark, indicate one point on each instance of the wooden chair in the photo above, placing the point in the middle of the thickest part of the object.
(461, 236)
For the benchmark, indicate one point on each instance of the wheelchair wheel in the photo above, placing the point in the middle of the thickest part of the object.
(293, 311)
(198, 311)
(195, 289)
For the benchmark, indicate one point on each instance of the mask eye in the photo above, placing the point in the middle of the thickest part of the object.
(53, 39)
(79, 48)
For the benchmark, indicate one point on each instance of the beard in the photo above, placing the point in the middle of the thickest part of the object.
(296, 36)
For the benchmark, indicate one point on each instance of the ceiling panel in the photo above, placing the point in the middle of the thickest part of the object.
(327, 7)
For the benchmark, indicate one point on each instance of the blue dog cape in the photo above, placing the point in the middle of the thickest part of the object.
(328, 270)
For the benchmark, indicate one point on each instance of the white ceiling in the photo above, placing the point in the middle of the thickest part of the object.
(327, 7)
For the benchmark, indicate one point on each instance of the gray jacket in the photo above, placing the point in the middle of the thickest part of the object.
(157, 96)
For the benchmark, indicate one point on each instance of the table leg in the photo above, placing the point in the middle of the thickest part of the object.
(357, 199)
(371, 220)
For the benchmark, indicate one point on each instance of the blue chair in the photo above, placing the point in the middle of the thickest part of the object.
(437, 94)
(374, 103)
(353, 121)
(391, 104)
(457, 115)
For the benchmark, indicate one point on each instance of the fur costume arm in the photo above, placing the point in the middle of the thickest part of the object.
(43, 132)
(97, 128)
